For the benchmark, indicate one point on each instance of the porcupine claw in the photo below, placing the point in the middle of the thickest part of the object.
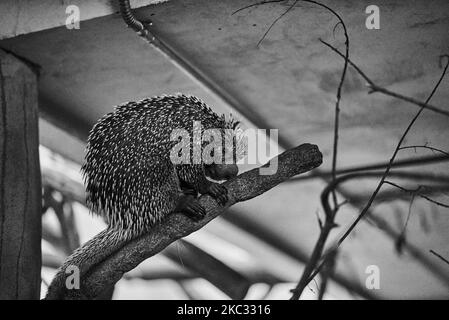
(219, 192)
(193, 209)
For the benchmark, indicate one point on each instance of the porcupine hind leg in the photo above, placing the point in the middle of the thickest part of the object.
(190, 206)
(187, 202)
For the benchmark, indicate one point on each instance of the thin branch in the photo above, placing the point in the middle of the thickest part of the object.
(275, 21)
(439, 256)
(393, 157)
(383, 225)
(315, 257)
(328, 270)
(340, 87)
(246, 186)
(375, 88)
(342, 78)
(425, 147)
(374, 166)
(387, 171)
(330, 213)
(413, 251)
(276, 240)
(388, 196)
(317, 252)
(416, 191)
(421, 104)
(401, 240)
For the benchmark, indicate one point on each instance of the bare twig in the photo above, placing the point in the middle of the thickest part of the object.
(339, 89)
(383, 225)
(330, 214)
(401, 239)
(416, 192)
(315, 257)
(375, 88)
(413, 251)
(342, 78)
(317, 252)
(387, 196)
(387, 171)
(375, 166)
(273, 239)
(409, 213)
(439, 256)
(274, 22)
(328, 270)
(425, 147)
(393, 157)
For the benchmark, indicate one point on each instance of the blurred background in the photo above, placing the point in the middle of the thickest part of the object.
(258, 249)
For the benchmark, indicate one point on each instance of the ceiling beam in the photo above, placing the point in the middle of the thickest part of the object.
(28, 16)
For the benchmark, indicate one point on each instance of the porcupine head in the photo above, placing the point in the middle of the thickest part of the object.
(141, 160)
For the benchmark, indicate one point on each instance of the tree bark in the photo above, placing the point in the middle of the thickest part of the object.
(20, 181)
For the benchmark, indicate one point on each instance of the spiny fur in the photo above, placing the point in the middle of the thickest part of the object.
(129, 177)
(128, 174)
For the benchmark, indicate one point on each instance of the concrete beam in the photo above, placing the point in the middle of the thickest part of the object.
(22, 17)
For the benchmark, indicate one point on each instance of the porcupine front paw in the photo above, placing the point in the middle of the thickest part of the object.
(218, 191)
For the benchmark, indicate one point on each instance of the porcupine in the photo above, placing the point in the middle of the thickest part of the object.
(131, 180)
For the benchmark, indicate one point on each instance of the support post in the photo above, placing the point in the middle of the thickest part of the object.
(20, 181)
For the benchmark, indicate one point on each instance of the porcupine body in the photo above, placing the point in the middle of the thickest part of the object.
(129, 176)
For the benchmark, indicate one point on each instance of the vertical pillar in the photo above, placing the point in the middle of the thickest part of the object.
(20, 181)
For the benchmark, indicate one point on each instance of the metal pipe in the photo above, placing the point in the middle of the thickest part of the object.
(128, 16)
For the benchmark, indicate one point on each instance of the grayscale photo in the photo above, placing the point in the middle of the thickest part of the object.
(224, 158)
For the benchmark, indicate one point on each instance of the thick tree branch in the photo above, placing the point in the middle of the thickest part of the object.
(246, 186)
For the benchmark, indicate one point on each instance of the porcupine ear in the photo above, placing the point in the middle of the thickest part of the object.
(231, 121)
(238, 136)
